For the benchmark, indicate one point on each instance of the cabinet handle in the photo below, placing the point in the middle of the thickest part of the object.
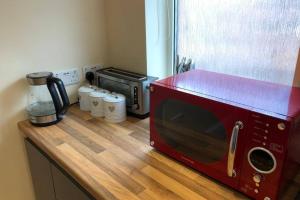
(232, 148)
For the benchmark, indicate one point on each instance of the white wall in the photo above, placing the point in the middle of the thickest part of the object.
(39, 35)
(159, 32)
(126, 34)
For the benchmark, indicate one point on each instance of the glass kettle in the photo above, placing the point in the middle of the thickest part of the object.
(47, 99)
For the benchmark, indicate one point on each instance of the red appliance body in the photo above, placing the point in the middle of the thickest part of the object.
(242, 132)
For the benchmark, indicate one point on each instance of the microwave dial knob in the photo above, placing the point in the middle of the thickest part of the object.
(257, 178)
(281, 126)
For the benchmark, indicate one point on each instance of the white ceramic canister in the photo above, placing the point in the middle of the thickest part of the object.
(83, 94)
(115, 108)
(97, 102)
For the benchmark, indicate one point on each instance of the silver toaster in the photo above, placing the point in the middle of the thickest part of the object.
(134, 86)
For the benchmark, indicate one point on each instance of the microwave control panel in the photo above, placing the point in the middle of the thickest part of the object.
(267, 132)
(264, 156)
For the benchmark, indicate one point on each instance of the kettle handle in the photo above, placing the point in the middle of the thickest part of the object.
(60, 109)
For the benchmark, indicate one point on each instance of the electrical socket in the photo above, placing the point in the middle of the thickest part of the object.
(91, 68)
(69, 76)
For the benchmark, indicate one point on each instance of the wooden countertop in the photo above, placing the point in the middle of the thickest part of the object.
(115, 161)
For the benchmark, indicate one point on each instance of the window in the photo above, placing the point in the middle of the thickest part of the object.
(251, 38)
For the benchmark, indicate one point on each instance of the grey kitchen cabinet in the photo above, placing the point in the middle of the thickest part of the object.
(50, 181)
(40, 168)
(65, 189)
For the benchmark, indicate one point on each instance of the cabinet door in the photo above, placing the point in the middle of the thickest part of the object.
(41, 173)
(65, 188)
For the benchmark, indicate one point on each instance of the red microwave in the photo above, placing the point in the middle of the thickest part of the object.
(241, 132)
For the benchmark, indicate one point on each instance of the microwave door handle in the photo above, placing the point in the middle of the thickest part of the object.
(232, 148)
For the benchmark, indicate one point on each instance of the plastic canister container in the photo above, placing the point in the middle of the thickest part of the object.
(83, 93)
(97, 102)
(115, 108)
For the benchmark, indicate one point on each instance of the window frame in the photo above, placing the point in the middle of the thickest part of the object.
(175, 43)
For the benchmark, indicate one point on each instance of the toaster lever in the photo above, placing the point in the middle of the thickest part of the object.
(135, 106)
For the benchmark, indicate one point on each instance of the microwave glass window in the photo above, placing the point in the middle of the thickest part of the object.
(191, 130)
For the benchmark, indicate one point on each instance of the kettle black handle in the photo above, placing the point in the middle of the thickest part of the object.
(60, 109)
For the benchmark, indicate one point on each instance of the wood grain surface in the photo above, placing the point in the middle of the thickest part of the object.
(115, 161)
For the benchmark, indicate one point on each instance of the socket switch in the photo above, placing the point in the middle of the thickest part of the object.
(69, 77)
(91, 68)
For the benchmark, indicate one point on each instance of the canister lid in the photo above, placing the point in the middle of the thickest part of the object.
(98, 93)
(103, 90)
(114, 98)
(85, 89)
(93, 87)
(120, 96)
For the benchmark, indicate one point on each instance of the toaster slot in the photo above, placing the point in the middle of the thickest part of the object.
(125, 74)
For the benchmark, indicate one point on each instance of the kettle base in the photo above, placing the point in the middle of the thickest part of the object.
(43, 121)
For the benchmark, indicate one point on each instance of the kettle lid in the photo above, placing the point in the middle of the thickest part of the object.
(38, 78)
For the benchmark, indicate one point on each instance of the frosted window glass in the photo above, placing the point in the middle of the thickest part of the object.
(251, 38)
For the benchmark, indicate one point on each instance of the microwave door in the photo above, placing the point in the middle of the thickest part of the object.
(200, 132)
